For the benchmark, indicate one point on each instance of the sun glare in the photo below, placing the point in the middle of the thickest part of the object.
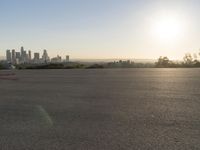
(168, 28)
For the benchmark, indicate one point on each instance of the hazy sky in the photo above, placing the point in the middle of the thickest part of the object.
(101, 28)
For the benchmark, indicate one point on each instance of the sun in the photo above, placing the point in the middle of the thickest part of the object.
(167, 28)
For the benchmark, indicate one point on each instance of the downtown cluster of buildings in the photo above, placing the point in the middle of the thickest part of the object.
(25, 57)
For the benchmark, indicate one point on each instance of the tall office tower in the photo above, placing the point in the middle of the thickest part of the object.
(67, 58)
(18, 57)
(22, 51)
(45, 56)
(29, 55)
(22, 48)
(23, 55)
(13, 56)
(36, 57)
(8, 56)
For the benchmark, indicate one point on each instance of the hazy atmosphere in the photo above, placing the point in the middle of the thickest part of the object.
(102, 28)
(99, 74)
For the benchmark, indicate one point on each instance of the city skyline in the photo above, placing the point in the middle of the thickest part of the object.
(23, 56)
(102, 29)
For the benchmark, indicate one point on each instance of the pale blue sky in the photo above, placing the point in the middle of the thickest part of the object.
(97, 28)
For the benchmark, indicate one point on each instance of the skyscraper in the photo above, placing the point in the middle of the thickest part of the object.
(29, 55)
(45, 56)
(13, 56)
(36, 57)
(23, 55)
(18, 57)
(8, 56)
(22, 49)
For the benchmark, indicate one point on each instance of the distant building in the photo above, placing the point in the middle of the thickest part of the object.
(29, 56)
(22, 52)
(8, 56)
(23, 55)
(17, 61)
(45, 57)
(36, 58)
(67, 58)
(22, 49)
(57, 59)
(18, 57)
(13, 56)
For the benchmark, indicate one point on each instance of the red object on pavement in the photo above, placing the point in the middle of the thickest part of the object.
(8, 76)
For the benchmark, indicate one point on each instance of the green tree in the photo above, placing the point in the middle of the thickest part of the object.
(163, 62)
(188, 59)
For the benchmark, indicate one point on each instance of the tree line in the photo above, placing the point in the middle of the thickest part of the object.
(188, 61)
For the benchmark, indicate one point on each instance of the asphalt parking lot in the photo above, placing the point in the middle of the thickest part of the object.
(103, 109)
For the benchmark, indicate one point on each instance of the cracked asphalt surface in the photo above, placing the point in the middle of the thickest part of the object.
(103, 109)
